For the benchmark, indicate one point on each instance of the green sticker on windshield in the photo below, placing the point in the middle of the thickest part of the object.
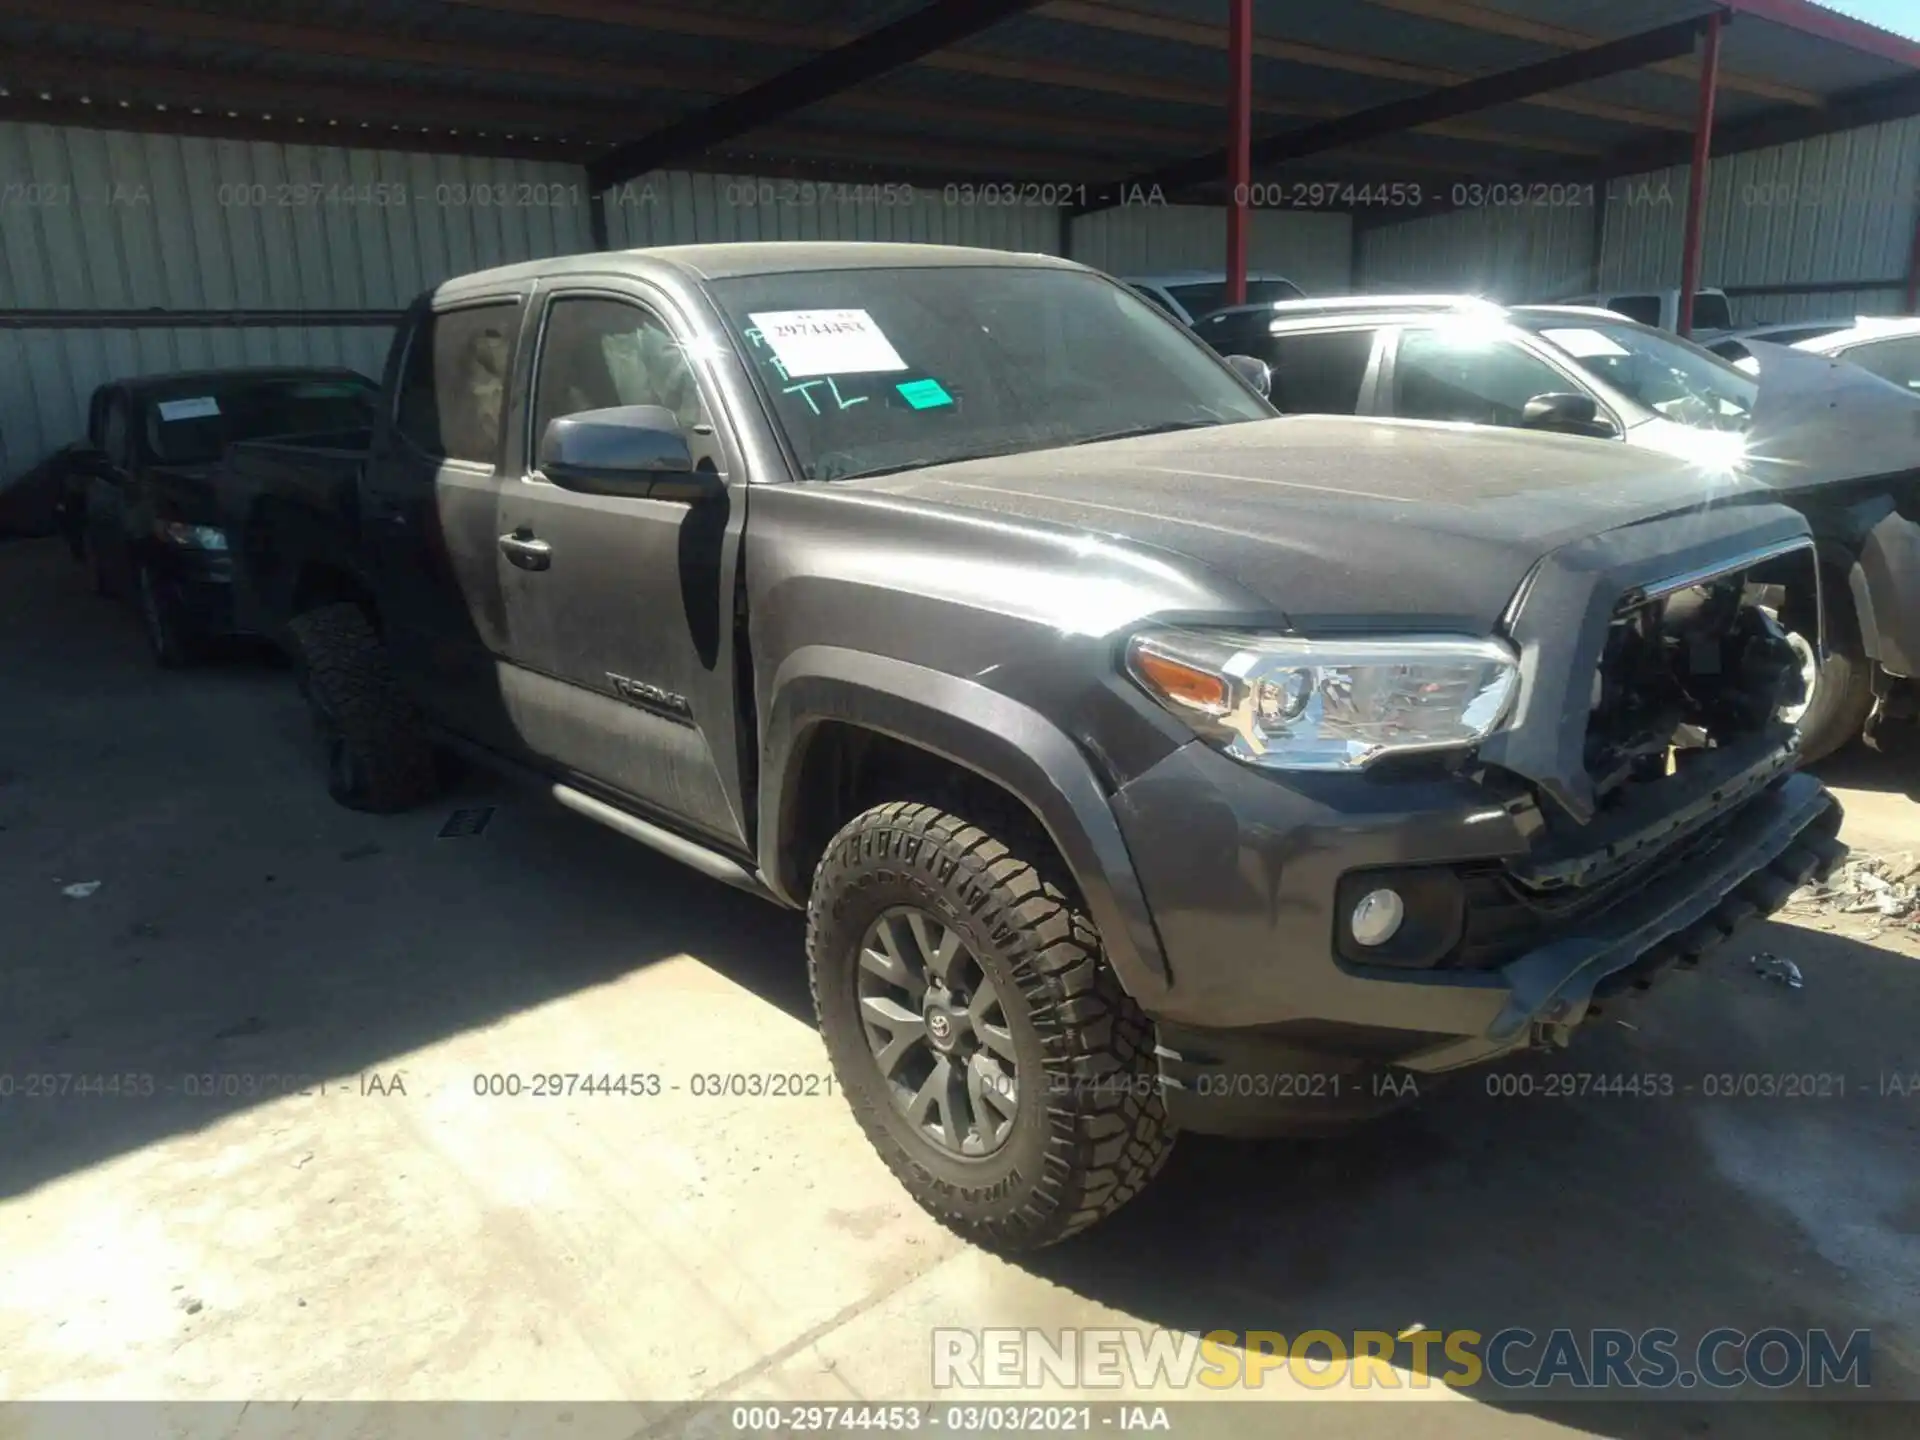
(924, 394)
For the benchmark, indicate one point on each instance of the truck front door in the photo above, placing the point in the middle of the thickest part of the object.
(619, 610)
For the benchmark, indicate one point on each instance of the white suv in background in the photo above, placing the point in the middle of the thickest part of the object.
(1189, 294)
(1712, 312)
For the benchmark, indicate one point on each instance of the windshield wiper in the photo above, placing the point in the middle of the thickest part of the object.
(923, 462)
(1136, 431)
(1020, 447)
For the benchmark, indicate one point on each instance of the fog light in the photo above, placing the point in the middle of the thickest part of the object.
(1376, 919)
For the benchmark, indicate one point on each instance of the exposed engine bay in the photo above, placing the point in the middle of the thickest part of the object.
(1692, 669)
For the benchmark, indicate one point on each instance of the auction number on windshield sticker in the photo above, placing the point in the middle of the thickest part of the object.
(203, 407)
(825, 342)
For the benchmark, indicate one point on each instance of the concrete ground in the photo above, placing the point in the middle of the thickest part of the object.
(298, 1193)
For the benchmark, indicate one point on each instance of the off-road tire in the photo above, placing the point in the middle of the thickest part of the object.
(1094, 1131)
(379, 758)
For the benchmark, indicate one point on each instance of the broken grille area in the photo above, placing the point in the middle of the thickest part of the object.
(1684, 673)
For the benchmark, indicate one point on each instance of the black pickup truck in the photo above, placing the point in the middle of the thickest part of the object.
(137, 497)
(1142, 760)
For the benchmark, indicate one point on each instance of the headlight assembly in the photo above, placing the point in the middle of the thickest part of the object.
(1293, 704)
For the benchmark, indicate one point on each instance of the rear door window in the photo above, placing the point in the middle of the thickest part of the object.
(1320, 373)
(454, 386)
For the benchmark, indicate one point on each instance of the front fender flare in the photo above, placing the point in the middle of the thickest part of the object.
(981, 730)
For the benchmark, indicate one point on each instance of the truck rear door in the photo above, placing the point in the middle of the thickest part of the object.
(428, 525)
(619, 609)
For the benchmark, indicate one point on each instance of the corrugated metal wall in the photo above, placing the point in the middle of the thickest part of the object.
(678, 208)
(1312, 249)
(1841, 207)
(1837, 208)
(1505, 252)
(106, 220)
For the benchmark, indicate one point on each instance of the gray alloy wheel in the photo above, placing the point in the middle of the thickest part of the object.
(939, 949)
(938, 1032)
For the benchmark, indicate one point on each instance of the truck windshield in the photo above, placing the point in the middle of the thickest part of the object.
(1669, 376)
(878, 370)
(195, 425)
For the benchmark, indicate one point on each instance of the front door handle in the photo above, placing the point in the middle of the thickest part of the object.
(527, 553)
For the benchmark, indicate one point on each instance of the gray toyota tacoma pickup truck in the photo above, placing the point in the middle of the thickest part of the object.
(1142, 759)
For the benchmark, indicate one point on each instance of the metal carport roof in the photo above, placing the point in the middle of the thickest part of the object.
(1079, 92)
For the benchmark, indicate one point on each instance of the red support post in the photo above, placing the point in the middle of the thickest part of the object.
(1697, 177)
(1239, 145)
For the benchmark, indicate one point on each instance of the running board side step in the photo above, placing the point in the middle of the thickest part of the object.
(688, 852)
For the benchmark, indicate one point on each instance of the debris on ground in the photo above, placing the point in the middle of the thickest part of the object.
(1886, 887)
(1779, 970)
(83, 891)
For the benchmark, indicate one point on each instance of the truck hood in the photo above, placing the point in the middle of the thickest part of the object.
(1818, 420)
(1338, 522)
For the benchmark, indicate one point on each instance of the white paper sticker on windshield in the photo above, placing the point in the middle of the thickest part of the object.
(1584, 344)
(198, 408)
(826, 342)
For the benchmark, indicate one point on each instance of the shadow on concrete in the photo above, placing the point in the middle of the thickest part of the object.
(247, 936)
(1488, 1207)
(244, 926)
(1893, 769)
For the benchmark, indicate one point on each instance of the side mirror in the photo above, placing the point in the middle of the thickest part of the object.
(1569, 413)
(631, 450)
(1256, 373)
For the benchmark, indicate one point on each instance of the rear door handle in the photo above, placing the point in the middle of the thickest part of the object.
(522, 550)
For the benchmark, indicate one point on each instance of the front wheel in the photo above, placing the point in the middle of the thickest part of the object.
(376, 754)
(987, 1049)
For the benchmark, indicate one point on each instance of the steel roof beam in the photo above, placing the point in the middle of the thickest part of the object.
(1635, 52)
(646, 15)
(356, 105)
(619, 75)
(933, 27)
(1488, 21)
(1132, 20)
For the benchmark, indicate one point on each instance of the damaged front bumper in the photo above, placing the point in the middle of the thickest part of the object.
(1268, 1026)
(1524, 889)
(1783, 839)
